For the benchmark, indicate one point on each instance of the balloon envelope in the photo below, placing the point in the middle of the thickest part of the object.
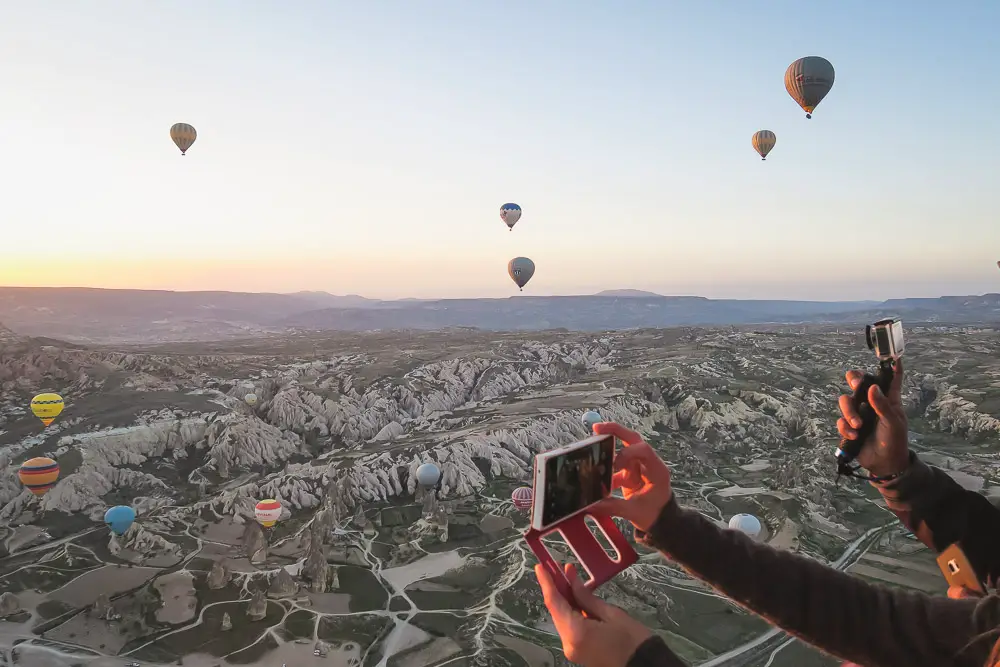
(510, 214)
(428, 474)
(251, 399)
(522, 497)
(763, 141)
(267, 512)
(746, 523)
(520, 270)
(591, 417)
(47, 407)
(808, 80)
(39, 474)
(183, 135)
(119, 519)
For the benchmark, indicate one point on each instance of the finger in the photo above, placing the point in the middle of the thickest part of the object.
(954, 592)
(627, 479)
(845, 430)
(896, 388)
(854, 379)
(612, 507)
(558, 606)
(880, 404)
(849, 411)
(635, 455)
(594, 606)
(627, 436)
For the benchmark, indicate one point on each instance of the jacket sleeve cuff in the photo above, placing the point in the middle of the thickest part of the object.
(918, 484)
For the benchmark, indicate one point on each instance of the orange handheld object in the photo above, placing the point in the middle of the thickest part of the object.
(595, 560)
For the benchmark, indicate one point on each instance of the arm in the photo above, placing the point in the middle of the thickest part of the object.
(839, 614)
(654, 652)
(940, 512)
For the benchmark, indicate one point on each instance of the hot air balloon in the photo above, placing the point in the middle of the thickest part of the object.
(510, 214)
(808, 80)
(119, 519)
(591, 417)
(39, 474)
(251, 399)
(267, 512)
(183, 135)
(522, 497)
(428, 475)
(521, 269)
(763, 141)
(47, 407)
(746, 523)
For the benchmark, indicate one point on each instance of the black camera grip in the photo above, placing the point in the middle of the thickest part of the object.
(869, 419)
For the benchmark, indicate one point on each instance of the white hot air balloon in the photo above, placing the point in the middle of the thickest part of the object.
(428, 475)
(251, 399)
(746, 523)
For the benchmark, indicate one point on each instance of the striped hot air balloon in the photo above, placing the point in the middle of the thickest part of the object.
(47, 407)
(522, 497)
(183, 135)
(39, 474)
(267, 512)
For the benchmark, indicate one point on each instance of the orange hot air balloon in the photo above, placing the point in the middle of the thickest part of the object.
(39, 474)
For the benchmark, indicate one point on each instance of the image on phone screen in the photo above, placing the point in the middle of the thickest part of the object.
(577, 479)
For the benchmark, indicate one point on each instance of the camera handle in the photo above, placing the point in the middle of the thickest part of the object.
(849, 449)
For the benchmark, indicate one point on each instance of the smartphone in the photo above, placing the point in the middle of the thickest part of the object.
(957, 569)
(570, 479)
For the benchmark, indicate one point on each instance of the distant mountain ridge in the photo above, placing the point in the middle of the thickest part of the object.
(97, 315)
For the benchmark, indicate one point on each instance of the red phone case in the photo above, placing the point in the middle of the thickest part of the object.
(599, 565)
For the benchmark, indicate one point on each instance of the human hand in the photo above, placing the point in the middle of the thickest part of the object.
(605, 637)
(644, 479)
(886, 452)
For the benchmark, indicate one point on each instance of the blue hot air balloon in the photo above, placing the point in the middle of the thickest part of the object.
(428, 474)
(590, 418)
(119, 519)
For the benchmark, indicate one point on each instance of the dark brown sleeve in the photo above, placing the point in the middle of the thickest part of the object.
(842, 615)
(940, 513)
(654, 652)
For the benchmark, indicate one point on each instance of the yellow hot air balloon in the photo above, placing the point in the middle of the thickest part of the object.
(183, 135)
(39, 474)
(47, 407)
(763, 141)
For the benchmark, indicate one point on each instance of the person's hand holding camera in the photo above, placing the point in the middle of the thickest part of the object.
(596, 635)
(644, 479)
(886, 452)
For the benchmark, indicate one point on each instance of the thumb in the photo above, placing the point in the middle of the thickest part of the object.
(960, 592)
(880, 404)
(896, 388)
(585, 599)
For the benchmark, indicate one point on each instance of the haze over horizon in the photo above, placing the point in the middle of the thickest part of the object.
(340, 151)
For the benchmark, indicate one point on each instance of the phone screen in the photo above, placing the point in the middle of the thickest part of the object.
(577, 479)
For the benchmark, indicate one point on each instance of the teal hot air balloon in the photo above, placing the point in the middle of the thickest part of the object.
(520, 270)
(119, 519)
(808, 80)
(428, 475)
(591, 417)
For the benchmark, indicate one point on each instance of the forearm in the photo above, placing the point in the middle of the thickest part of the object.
(654, 652)
(940, 512)
(835, 612)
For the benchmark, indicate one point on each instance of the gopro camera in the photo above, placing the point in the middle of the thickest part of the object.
(885, 339)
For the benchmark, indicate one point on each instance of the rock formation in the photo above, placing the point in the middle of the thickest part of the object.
(218, 576)
(227, 622)
(9, 604)
(257, 609)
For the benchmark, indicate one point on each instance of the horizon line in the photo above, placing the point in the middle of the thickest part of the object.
(642, 294)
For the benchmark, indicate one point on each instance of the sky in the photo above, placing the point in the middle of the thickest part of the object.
(366, 147)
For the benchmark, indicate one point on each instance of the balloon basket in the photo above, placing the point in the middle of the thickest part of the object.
(596, 562)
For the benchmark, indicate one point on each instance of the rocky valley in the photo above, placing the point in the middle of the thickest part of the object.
(367, 568)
